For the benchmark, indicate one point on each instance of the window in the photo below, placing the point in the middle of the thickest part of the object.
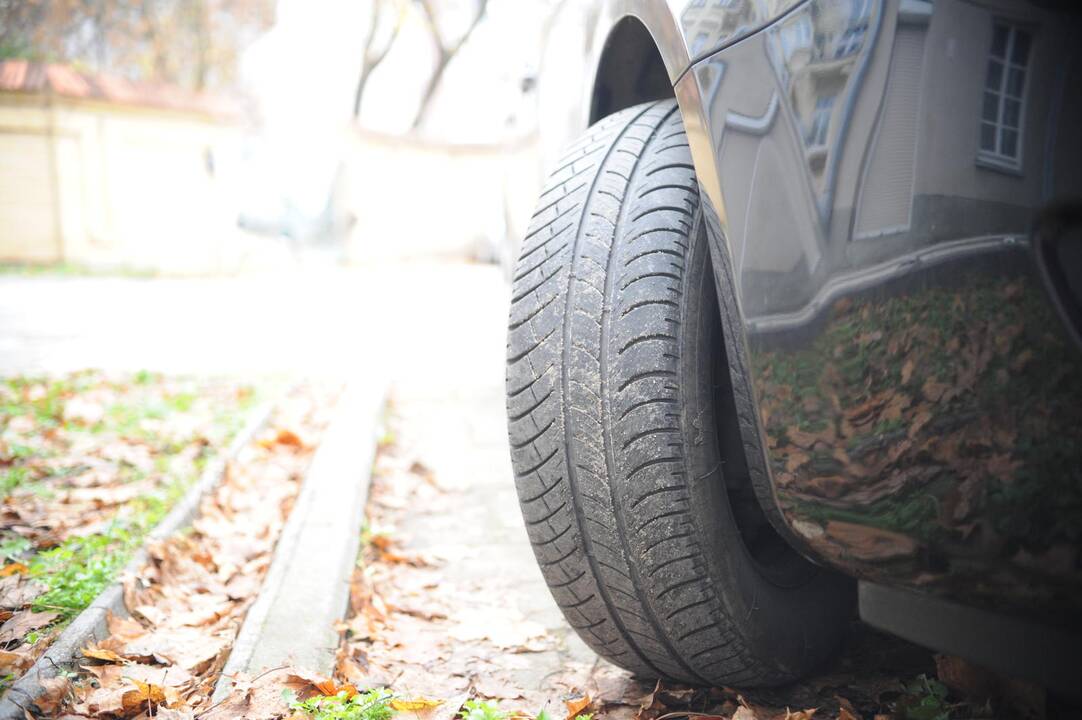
(699, 44)
(1003, 105)
(796, 35)
(852, 38)
(820, 122)
(850, 41)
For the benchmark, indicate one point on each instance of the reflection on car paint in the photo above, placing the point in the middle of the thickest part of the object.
(709, 24)
(881, 166)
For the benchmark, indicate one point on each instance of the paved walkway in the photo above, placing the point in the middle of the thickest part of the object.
(451, 415)
(311, 320)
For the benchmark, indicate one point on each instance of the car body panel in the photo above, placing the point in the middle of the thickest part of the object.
(914, 365)
(919, 397)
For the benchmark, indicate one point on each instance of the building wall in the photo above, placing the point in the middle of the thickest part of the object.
(955, 134)
(28, 218)
(106, 185)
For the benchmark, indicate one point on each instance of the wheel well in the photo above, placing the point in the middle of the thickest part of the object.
(630, 72)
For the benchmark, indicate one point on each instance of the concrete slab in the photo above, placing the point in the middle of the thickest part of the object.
(306, 590)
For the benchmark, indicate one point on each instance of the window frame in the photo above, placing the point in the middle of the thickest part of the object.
(820, 122)
(995, 159)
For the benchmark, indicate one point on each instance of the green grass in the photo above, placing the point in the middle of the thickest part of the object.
(924, 699)
(481, 710)
(371, 705)
(78, 570)
(68, 269)
(377, 705)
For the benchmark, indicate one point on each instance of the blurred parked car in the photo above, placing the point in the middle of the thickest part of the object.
(297, 198)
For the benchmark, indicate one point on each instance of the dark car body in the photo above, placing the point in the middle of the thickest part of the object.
(893, 191)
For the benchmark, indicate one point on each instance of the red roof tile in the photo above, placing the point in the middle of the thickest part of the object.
(65, 81)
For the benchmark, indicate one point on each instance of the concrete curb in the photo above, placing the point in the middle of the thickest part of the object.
(90, 624)
(306, 590)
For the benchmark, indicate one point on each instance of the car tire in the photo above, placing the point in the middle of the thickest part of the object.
(639, 510)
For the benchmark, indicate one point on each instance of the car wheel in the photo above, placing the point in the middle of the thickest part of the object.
(627, 457)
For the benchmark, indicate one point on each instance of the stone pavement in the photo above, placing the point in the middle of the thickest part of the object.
(451, 414)
(308, 320)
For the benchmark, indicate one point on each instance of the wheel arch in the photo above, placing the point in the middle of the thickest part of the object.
(630, 70)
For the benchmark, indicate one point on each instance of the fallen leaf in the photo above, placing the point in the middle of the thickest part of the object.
(14, 661)
(846, 711)
(800, 714)
(13, 568)
(17, 591)
(153, 674)
(146, 696)
(55, 693)
(23, 622)
(414, 705)
(99, 653)
(190, 648)
(576, 706)
(934, 390)
(907, 370)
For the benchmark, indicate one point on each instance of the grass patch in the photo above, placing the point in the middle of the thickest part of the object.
(80, 568)
(372, 705)
(924, 699)
(69, 269)
(380, 705)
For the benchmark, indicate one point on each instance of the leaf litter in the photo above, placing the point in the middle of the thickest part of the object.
(187, 603)
(422, 643)
(418, 629)
(89, 462)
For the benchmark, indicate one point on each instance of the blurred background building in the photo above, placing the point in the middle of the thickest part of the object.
(216, 135)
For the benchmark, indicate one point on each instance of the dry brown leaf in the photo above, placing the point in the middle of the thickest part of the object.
(934, 390)
(306, 684)
(23, 622)
(795, 459)
(14, 661)
(846, 711)
(17, 591)
(414, 705)
(146, 696)
(190, 648)
(577, 706)
(907, 370)
(99, 653)
(55, 694)
(13, 568)
(285, 436)
(118, 675)
(800, 714)
(330, 687)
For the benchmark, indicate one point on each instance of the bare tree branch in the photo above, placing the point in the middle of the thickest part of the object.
(444, 52)
(373, 56)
